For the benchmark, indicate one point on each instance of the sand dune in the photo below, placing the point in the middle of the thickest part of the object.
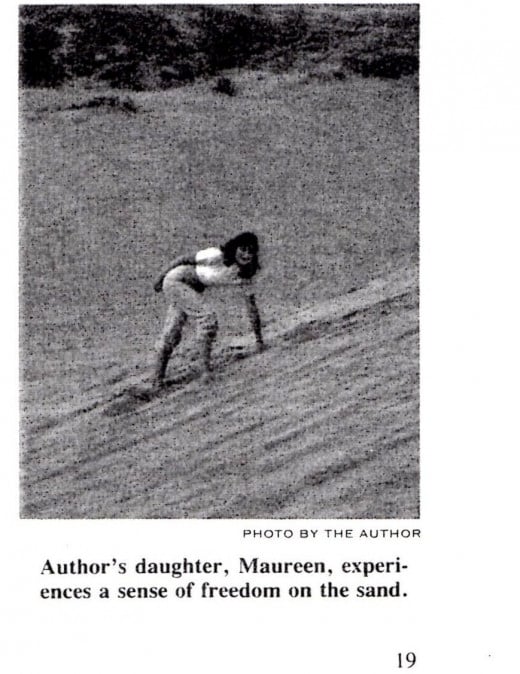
(322, 424)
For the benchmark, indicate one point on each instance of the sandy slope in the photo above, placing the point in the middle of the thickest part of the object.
(323, 424)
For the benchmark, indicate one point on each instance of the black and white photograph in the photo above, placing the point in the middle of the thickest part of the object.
(219, 261)
(259, 287)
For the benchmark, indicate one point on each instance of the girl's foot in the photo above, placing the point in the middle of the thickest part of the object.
(158, 385)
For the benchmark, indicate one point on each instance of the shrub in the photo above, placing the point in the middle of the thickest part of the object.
(127, 74)
(177, 74)
(385, 44)
(230, 38)
(40, 65)
(390, 65)
(224, 85)
(123, 37)
(115, 102)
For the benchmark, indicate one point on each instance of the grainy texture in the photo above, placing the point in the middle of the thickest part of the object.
(325, 422)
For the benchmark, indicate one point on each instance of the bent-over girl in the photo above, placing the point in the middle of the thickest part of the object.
(183, 283)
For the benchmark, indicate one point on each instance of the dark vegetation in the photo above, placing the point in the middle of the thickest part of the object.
(111, 102)
(224, 85)
(142, 47)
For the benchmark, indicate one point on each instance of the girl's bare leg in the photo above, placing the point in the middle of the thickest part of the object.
(209, 328)
(169, 339)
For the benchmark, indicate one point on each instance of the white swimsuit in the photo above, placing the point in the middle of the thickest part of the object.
(209, 270)
(183, 285)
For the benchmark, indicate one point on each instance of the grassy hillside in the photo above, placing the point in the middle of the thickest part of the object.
(153, 47)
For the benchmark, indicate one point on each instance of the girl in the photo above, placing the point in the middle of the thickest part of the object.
(184, 282)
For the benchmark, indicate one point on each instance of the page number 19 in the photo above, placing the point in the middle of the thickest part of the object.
(407, 660)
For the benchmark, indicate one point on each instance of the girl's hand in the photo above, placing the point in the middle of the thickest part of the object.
(158, 285)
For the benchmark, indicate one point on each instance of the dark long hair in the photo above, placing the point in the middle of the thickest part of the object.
(246, 239)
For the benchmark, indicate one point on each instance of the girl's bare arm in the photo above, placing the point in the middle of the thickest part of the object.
(254, 317)
(182, 259)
